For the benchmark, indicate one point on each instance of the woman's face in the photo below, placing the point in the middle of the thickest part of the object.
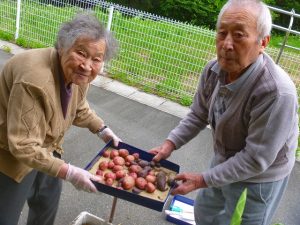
(83, 61)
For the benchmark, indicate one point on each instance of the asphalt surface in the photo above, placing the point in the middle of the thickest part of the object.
(143, 126)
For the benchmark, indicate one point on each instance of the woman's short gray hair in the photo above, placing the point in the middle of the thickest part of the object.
(86, 25)
(264, 18)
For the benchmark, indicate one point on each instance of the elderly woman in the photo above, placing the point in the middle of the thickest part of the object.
(42, 93)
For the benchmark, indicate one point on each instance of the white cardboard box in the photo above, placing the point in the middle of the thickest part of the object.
(85, 218)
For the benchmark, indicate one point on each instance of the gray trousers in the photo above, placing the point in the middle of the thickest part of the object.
(215, 206)
(42, 193)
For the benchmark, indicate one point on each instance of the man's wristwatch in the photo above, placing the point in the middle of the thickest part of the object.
(99, 132)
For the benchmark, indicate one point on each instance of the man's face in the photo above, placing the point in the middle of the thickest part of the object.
(237, 40)
(83, 61)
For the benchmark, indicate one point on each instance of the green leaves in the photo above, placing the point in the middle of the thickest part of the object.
(197, 12)
(239, 209)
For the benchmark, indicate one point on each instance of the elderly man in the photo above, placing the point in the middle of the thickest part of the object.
(251, 106)
(42, 93)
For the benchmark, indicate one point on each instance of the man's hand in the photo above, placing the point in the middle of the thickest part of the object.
(81, 179)
(163, 151)
(107, 134)
(190, 182)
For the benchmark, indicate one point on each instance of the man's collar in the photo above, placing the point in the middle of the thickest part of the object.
(237, 83)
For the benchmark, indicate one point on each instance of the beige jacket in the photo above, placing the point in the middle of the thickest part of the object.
(32, 124)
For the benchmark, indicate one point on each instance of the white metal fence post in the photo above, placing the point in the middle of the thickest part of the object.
(286, 36)
(18, 19)
(110, 17)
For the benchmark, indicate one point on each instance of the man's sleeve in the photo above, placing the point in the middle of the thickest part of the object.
(196, 120)
(272, 123)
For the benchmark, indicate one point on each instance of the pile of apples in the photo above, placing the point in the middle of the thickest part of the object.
(127, 171)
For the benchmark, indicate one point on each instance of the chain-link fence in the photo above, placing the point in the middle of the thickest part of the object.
(157, 54)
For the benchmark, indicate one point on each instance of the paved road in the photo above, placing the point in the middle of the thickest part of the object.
(144, 127)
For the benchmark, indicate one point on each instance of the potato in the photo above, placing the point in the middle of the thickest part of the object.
(171, 180)
(128, 182)
(123, 152)
(120, 174)
(150, 187)
(110, 175)
(140, 183)
(147, 168)
(143, 163)
(151, 178)
(151, 172)
(155, 164)
(132, 174)
(110, 165)
(136, 155)
(161, 181)
(118, 160)
(114, 153)
(117, 168)
(136, 190)
(142, 173)
(103, 165)
(99, 172)
(129, 158)
(135, 168)
(106, 154)
(109, 181)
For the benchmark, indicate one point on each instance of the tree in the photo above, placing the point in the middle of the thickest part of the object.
(205, 12)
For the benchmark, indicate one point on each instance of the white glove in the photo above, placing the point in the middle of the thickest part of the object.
(81, 179)
(107, 134)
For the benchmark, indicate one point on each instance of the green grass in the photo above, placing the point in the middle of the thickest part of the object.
(298, 152)
(154, 56)
(6, 48)
(277, 41)
(5, 36)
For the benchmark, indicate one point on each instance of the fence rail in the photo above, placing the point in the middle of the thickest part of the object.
(157, 54)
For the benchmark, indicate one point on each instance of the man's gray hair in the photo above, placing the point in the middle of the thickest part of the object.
(264, 18)
(86, 25)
